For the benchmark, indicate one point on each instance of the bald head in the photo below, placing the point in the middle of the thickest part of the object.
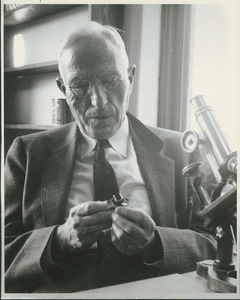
(90, 36)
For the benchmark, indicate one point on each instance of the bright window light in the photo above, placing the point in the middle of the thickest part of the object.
(18, 51)
(216, 64)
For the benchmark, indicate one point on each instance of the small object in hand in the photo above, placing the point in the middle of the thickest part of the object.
(118, 200)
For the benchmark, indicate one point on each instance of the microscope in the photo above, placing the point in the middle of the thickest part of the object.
(216, 191)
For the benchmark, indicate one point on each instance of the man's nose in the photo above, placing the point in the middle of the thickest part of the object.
(98, 96)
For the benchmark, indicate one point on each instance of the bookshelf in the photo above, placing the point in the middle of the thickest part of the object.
(28, 126)
(38, 68)
(18, 14)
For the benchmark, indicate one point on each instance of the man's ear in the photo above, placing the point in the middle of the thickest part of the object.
(131, 73)
(61, 85)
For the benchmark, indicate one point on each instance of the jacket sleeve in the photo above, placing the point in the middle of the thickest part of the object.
(183, 248)
(23, 248)
(189, 242)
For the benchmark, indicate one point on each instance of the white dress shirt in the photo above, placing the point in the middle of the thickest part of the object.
(121, 155)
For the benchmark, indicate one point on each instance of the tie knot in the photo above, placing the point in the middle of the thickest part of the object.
(102, 144)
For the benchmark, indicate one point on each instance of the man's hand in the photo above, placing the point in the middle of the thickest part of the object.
(85, 226)
(132, 230)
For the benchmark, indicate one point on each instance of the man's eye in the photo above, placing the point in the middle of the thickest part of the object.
(80, 90)
(111, 84)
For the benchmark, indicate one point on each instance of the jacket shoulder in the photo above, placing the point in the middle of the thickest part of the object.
(165, 134)
(37, 143)
(172, 147)
(46, 135)
(171, 138)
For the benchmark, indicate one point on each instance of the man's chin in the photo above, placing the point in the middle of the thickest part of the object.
(101, 128)
(101, 133)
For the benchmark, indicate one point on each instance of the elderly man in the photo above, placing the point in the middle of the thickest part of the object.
(62, 232)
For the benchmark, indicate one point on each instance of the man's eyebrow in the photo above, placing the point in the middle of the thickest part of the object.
(78, 78)
(73, 78)
(108, 73)
(109, 76)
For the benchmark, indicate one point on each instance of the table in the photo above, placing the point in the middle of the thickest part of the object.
(188, 285)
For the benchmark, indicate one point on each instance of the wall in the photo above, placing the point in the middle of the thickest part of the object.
(41, 37)
(28, 99)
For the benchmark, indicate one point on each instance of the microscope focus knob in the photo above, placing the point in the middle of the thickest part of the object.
(190, 141)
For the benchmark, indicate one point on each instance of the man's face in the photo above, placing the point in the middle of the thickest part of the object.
(101, 111)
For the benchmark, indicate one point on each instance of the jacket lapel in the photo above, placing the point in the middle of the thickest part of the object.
(56, 175)
(157, 171)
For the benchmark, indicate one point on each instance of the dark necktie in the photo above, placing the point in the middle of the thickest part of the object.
(105, 184)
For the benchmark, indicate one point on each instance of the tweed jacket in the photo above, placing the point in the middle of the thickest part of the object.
(38, 174)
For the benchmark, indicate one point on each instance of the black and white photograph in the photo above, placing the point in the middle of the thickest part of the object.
(120, 133)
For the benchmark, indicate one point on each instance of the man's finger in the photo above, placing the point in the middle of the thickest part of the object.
(94, 219)
(136, 216)
(122, 235)
(90, 207)
(127, 227)
(92, 228)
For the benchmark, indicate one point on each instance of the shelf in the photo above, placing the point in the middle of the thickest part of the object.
(29, 127)
(38, 68)
(27, 13)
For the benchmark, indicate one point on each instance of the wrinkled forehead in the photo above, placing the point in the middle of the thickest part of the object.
(92, 54)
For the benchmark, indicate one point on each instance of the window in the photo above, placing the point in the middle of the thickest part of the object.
(215, 71)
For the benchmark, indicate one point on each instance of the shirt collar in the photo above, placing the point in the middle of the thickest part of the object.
(118, 142)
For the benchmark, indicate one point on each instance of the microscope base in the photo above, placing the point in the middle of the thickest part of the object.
(217, 281)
